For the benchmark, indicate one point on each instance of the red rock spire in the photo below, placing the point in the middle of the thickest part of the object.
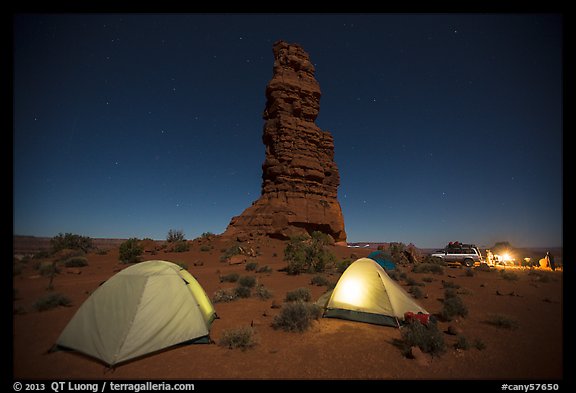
(299, 176)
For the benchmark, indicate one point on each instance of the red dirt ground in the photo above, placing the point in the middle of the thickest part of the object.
(331, 349)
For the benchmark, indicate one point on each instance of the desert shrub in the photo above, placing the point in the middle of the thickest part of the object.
(450, 284)
(296, 316)
(207, 235)
(17, 268)
(299, 294)
(224, 296)
(205, 248)
(247, 281)
(416, 292)
(175, 235)
(428, 268)
(130, 251)
(544, 278)
(412, 282)
(479, 344)
(262, 292)
(453, 306)
(427, 279)
(42, 255)
(230, 251)
(70, 241)
(427, 337)
(231, 277)
(51, 301)
(76, 262)
(502, 322)
(397, 252)
(509, 276)
(341, 266)
(251, 266)
(462, 343)
(242, 292)
(48, 269)
(183, 246)
(308, 255)
(242, 338)
(394, 275)
(450, 292)
(18, 309)
(102, 251)
(264, 269)
(434, 260)
(319, 280)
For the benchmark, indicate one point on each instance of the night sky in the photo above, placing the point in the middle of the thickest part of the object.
(446, 126)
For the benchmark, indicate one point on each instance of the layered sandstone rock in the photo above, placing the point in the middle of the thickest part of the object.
(299, 176)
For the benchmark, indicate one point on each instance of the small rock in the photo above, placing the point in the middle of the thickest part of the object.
(275, 304)
(237, 259)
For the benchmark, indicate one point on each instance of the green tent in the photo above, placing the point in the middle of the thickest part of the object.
(366, 293)
(142, 309)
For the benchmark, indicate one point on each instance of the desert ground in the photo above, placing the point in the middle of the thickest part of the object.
(330, 349)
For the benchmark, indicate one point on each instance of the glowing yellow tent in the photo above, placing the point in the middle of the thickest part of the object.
(366, 293)
(142, 309)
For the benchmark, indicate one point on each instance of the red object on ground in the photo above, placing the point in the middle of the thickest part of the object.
(420, 317)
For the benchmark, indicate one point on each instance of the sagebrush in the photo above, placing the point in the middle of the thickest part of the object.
(296, 316)
(242, 338)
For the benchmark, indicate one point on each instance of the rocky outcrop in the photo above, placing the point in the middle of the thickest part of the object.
(299, 176)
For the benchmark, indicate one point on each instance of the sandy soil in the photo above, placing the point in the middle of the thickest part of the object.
(331, 349)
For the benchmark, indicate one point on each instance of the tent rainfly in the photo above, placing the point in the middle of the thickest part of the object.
(382, 259)
(142, 309)
(366, 293)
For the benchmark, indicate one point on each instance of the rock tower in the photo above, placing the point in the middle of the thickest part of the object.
(299, 176)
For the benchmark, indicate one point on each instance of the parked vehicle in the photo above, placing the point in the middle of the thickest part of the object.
(456, 252)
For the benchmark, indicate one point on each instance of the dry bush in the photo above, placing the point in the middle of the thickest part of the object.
(242, 338)
(296, 316)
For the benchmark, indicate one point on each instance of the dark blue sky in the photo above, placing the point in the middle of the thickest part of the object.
(446, 126)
